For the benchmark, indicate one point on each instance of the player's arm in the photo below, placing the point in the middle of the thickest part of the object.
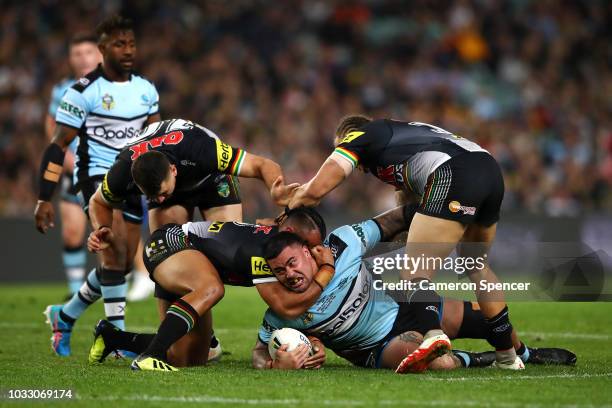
(285, 360)
(50, 174)
(394, 221)
(330, 175)
(152, 119)
(270, 173)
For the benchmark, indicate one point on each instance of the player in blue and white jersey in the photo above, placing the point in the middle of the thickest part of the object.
(367, 326)
(105, 110)
(83, 57)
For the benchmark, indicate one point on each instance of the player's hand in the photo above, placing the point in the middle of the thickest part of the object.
(100, 239)
(44, 216)
(281, 193)
(318, 358)
(291, 360)
(300, 198)
(322, 255)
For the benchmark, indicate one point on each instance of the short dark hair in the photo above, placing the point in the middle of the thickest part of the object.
(113, 23)
(307, 217)
(82, 37)
(351, 123)
(149, 170)
(275, 245)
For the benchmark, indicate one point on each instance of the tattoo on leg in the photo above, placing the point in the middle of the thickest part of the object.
(410, 337)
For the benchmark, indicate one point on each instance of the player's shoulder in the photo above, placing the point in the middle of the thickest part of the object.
(85, 82)
(141, 80)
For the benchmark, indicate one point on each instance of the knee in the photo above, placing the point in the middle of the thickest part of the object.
(444, 362)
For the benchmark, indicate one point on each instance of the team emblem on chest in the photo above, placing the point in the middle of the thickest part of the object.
(108, 102)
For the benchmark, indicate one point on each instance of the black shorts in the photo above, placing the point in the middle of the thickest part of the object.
(468, 188)
(217, 191)
(131, 208)
(69, 191)
(405, 321)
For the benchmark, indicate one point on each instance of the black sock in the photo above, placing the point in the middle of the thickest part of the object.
(425, 304)
(500, 330)
(121, 340)
(66, 318)
(214, 342)
(180, 319)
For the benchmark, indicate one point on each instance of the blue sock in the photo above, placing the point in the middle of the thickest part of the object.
(114, 289)
(464, 358)
(523, 352)
(74, 266)
(86, 295)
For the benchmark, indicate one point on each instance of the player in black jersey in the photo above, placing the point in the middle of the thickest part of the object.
(459, 188)
(191, 263)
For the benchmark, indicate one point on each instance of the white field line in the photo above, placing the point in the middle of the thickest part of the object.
(518, 377)
(565, 335)
(208, 399)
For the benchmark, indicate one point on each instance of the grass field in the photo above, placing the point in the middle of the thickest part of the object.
(27, 362)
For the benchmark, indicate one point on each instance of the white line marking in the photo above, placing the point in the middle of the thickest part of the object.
(208, 399)
(518, 377)
(568, 335)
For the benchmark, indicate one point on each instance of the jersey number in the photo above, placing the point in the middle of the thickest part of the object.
(167, 139)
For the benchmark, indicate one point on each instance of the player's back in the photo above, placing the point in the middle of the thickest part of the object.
(235, 249)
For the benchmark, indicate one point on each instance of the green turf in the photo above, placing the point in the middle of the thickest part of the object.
(26, 362)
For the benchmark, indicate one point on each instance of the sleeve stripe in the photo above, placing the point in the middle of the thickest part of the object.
(348, 155)
(238, 162)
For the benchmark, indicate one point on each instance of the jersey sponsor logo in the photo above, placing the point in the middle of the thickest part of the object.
(72, 110)
(351, 136)
(359, 231)
(107, 193)
(224, 154)
(392, 174)
(83, 81)
(108, 102)
(155, 250)
(263, 228)
(215, 226)
(127, 132)
(349, 311)
(455, 207)
(336, 246)
(172, 138)
(259, 266)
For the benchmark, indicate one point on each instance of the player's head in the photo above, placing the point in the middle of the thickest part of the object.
(349, 124)
(154, 175)
(83, 54)
(290, 260)
(305, 222)
(117, 43)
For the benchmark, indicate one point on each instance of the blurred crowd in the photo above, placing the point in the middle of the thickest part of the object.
(527, 79)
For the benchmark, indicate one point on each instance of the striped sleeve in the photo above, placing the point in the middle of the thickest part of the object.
(346, 155)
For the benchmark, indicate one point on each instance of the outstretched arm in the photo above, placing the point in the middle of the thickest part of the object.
(285, 303)
(271, 174)
(329, 176)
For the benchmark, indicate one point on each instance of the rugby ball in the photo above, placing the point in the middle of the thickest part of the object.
(291, 337)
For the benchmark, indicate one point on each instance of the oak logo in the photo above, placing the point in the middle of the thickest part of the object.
(168, 139)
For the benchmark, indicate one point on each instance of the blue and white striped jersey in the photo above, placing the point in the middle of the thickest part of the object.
(109, 116)
(349, 314)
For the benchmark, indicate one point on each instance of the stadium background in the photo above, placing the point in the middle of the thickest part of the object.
(528, 79)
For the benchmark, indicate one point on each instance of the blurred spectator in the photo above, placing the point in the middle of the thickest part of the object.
(528, 79)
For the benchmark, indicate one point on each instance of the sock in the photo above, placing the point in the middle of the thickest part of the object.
(114, 289)
(121, 340)
(214, 342)
(523, 352)
(180, 319)
(74, 259)
(425, 304)
(500, 331)
(464, 358)
(87, 294)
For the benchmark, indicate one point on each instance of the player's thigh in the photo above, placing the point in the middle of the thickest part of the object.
(189, 271)
(231, 212)
(74, 223)
(431, 237)
(133, 233)
(452, 317)
(176, 214)
(399, 347)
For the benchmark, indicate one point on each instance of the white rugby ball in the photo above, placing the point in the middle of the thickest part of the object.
(291, 337)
